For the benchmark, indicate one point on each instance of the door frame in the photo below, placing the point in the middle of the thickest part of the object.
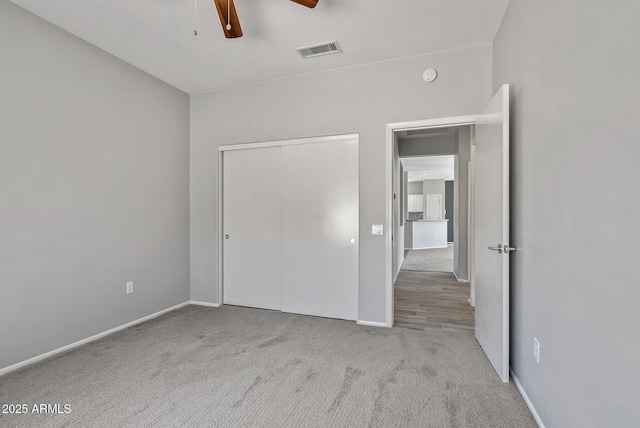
(391, 129)
(258, 145)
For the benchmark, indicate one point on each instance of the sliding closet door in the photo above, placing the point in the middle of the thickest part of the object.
(252, 227)
(320, 229)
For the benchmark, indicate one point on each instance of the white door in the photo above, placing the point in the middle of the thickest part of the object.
(290, 227)
(491, 221)
(434, 206)
(320, 229)
(252, 227)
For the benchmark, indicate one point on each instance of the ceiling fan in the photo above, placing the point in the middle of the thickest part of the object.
(229, 17)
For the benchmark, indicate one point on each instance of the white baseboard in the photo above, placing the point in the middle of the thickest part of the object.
(532, 409)
(88, 339)
(425, 248)
(372, 323)
(460, 280)
(210, 305)
(398, 272)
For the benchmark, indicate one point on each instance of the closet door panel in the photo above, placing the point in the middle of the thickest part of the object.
(320, 242)
(252, 228)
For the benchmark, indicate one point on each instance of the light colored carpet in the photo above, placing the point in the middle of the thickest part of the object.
(241, 367)
(433, 260)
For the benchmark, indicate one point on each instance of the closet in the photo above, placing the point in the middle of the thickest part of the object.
(291, 226)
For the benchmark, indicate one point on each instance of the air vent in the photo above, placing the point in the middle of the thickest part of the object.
(322, 49)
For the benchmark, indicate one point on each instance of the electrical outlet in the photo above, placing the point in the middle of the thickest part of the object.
(377, 229)
(129, 287)
(536, 350)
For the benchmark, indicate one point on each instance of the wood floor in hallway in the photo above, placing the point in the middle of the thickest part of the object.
(432, 300)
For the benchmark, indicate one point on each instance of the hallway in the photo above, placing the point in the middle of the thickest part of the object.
(432, 300)
(429, 260)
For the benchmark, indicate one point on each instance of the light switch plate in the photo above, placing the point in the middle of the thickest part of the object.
(377, 229)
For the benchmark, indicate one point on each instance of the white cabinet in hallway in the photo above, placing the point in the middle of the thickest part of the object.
(415, 203)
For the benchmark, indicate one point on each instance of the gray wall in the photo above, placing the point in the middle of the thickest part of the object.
(359, 99)
(461, 203)
(575, 147)
(415, 188)
(435, 146)
(94, 163)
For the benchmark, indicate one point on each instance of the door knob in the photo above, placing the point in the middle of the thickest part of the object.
(226, 236)
(352, 240)
(500, 249)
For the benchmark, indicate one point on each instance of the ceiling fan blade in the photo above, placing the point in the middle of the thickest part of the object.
(309, 3)
(223, 13)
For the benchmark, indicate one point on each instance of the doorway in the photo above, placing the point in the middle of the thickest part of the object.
(489, 228)
(431, 288)
(428, 224)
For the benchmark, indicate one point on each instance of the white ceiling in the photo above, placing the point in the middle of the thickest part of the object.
(157, 35)
(429, 168)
